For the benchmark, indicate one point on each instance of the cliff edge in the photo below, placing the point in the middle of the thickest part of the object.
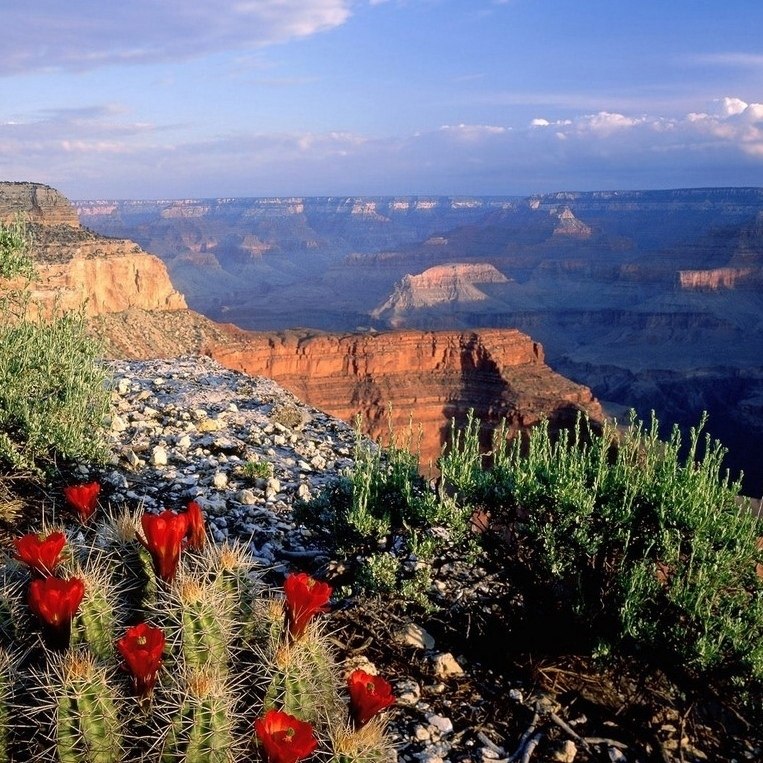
(389, 379)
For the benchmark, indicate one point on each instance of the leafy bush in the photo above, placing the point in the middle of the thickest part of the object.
(385, 514)
(611, 540)
(637, 544)
(53, 396)
(256, 470)
(14, 251)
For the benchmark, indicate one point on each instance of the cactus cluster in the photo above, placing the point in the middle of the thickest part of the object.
(131, 638)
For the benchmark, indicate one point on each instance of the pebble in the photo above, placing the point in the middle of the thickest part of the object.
(183, 427)
(565, 752)
(415, 635)
(441, 724)
(446, 665)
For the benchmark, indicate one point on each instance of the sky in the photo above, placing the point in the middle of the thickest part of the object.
(164, 99)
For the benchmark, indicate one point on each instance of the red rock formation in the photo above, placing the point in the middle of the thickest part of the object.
(452, 284)
(415, 377)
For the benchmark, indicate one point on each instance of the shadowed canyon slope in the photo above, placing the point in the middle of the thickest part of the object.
(426, 378)
(651, 298)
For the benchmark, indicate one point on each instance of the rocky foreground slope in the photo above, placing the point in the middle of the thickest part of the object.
(417, 378)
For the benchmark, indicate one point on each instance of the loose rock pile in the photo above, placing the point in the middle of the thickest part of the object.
(242, 447)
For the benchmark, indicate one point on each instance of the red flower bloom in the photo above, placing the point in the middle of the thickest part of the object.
(83, 498)
(368, 695)
(196, 533)
(142, 647)
(41, 554)
(164, 533)
(285, 738)
(305, 597)
(56, 601)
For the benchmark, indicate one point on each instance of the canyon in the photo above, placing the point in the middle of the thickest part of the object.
(652, 299)
(408, 382)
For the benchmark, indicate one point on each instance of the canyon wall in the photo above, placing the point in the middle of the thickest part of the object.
(391, 380)
(418, 378)
(78, 268)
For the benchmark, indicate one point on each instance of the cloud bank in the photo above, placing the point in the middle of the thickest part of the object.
(53, 37)
(98, 152)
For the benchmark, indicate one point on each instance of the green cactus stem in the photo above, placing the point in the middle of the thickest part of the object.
(303, 681)
(203, 728)
(97, 620)
(87, 727)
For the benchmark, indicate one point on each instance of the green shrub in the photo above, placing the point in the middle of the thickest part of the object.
(637, 544)
(383, 512)
(610, 541)
(53, 396)
(256, 470)
(14, 251)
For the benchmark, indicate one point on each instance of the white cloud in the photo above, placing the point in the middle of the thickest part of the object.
(472, 132)
(606, 122)
(100, 152)
(90, 33)
(732, 58)
(732, 106)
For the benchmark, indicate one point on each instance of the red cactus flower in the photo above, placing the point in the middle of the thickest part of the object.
(305, 597)
(368, 695)
(83, 498)
(56, 601)
(196, 533)
(284, 738)
(142, 647)
(40, 554)
(164, 535)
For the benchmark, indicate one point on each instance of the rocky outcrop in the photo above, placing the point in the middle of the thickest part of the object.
(441, 285)
(720, 278)
(36, 203)
(77, 267)
(569, 225)
(391, 380)
(415, 378)
(110, 283)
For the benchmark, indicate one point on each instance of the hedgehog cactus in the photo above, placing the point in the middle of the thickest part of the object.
(203, 729)
(170, 659)
(81, 710)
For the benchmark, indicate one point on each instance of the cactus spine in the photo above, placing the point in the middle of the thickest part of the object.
(6, 688)
(203, 730)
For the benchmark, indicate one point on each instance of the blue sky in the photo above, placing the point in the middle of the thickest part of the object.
(182, 98)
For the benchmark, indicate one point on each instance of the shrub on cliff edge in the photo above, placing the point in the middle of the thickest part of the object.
(636, 545)
(52, 393)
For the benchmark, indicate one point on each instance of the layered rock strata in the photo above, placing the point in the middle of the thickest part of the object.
(416, 378)
(392, 380)
(77, 267)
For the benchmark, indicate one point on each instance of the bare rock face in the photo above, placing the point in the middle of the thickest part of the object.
(77, 267)
(416, 377)
(716, 279)
(569, 225)
(37, 204)
(397, 379)
(451, 284)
